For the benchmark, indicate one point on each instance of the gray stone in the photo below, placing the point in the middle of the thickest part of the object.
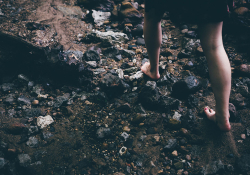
(171, 144)
(92, 64)
(120, 73)
(128, 53)
(2, 162)
(130, 70)
(32, 142)
(7, 86)
(1, 13)
(61, 99)
(248, 131)
(24, 100)
(33, 130)
(213, 168)
(140, 41)
(24, 160)
(78, 54)
(23, 77)
(10, 98)
(11, 112)
(99, 71)
(47, 135)
(103, 132)
(100, 17)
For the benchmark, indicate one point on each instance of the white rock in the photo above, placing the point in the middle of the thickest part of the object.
(44, 121)
(100, 17)
(177, 116)
(138, 75)
(120, 73)
(110, 36)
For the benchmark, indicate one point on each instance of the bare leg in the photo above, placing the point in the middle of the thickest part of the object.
(219, 71)
(153, 38)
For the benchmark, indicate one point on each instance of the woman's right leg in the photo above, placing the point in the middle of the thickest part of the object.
(219, 72)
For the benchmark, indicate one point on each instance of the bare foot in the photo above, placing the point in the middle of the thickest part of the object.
(146, 69)
(223, 123)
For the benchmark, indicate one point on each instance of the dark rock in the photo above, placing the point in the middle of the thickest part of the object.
(10, 99)
(193, 102)
(33, 130)
(33, 112)
(243, 163)
(118, 57)
(91, 55)
(125, 65)
(127, 10)
(233, 113)
(24, 160)
(186, 86)
(130, 47)
(138, 31)
(103, 133)
(140, 41)
(112, 85)
(126, 108)
(59, 101)
(149, 95)
(213, 168)
(111, 52)
(174, 46)
(98, 97)
(171, 145)
(167, 103)
(184, 53)
(128, 53)
(46, 135)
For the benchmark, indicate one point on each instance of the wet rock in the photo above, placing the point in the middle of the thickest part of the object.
(16, 128)
(24, 160)
(103, 133)
(171, 145)
(2, 162)
(137, 76)
(213, 168)
(237, 99)
(71, 11)
(32, 142)
(107, 38)
(125, 135)
(149, 95)
(44, 121)
(98, 97)
(243, 163)
(100, 17)
(177, 116)
(178, 165)
(186, 86)
(112, 85)
(138, 31)
(127, 10)
(24, 100)
(130, 70)
(91, 55)
(99, 71)
(140, 42)
(126, 108)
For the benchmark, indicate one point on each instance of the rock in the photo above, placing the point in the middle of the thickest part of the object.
(213, 168)
(125, 135)
(178, 165)
(73, 56)
(176, 116)
(91, 55)
(126, 108)
(32, 142)
(2, 162)
(103, 133)
(130, 70)
(112, 85)
(186, 86)
(149, 95)
(140, 42)
(175, 124)
(24, 100)
(191, 34)
(175, 153)
(248, 131)
(33, 112)
(1, 13)
(7, 87)
(233, 113)
(16, 128)
(24, 160)
(10, 98)
(46, 135)
(184, 53)
(193, 101)
(202, 67)
(33, 130)
(107, 38)
(100, 17)
(111, 52)
(171, 144)
(123, 151)
(99, 71)
(60, 100)
(98, 97)
(243, 70)
(44, 121)
(241, 11)
(127, 10)
(243, 136)
(35, 102)
(137, 76)
(128, 53)
(23, 78)
(167, 103)
(138, 31)
(71, 11)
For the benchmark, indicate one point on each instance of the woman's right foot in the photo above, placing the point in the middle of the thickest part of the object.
(223, 123)
(146, 70)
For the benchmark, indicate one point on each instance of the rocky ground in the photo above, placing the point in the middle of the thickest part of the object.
(74, 101)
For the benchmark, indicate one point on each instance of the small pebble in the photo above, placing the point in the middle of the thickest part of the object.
(188, 157)
(185, 172)
(243, 136)
(126, 128)
(174, 153)
(35, 102)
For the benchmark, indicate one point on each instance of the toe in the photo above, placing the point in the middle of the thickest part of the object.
(210, 113)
